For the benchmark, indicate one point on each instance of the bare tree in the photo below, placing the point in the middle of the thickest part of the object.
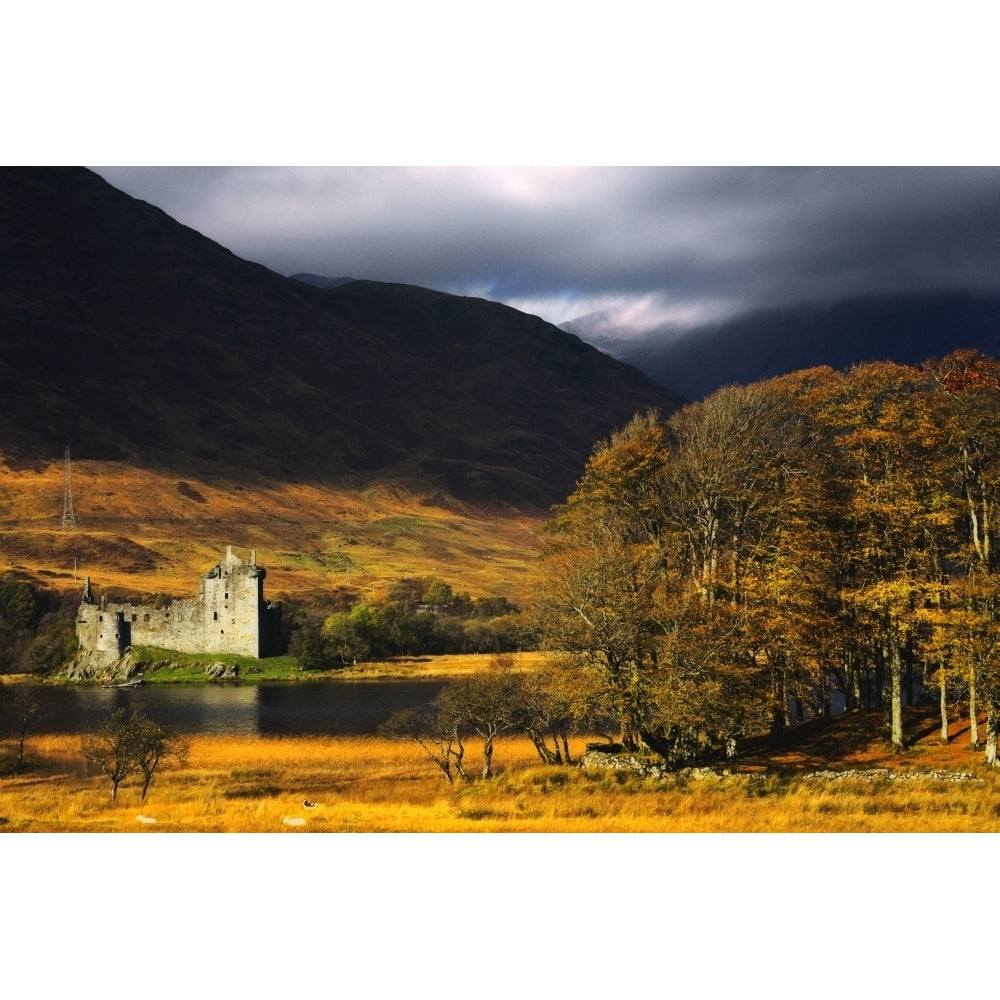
(488, 703)
(153, 744)
(435, 732)
(111, 746)
(27, 711)
(128, 742)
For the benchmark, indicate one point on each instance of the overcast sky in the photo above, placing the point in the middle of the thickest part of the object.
(649, 245)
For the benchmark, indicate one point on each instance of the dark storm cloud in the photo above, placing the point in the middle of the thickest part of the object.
(647, 245)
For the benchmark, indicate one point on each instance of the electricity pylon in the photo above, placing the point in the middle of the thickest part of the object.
(68, 518)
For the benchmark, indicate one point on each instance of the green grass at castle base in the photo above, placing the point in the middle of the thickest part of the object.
(164, 666)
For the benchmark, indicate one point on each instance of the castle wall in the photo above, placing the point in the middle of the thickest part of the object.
(229, 615)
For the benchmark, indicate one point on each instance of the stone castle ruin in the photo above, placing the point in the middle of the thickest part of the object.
(229, 616)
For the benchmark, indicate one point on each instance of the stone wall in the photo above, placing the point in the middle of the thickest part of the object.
(229, 615)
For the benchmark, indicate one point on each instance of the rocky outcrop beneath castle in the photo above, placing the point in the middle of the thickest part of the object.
(96, 665)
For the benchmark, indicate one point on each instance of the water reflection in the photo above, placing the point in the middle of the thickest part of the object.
(314, 708)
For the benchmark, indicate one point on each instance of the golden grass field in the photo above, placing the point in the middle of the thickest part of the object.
(370, 785)
(144, 531)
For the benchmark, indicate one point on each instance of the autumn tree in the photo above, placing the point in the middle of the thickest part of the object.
(760, 547)
(967, 389)
(618, 594)
(602, 576)
(743, 489)
(897, 511)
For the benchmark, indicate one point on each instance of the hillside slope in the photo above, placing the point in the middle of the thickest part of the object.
(133, 338)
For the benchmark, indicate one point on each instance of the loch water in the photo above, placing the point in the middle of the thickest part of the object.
(312, 708)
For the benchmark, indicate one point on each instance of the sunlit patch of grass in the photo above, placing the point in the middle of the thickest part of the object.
(255, 784)
(150, 536)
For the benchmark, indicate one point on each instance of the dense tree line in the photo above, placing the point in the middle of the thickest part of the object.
(420, 616)
(727, 569)
(37, 628)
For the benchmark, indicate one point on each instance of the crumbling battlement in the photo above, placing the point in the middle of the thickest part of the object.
(229, 615)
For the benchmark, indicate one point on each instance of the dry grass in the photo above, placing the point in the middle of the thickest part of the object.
(145, 531)
(431, 667)
(257, 784)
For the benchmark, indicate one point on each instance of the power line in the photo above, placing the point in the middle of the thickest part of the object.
(68, 518)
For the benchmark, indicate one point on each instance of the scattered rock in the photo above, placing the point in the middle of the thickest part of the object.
(294, 821)
(220, 671)
(886, 774)
(648, 767)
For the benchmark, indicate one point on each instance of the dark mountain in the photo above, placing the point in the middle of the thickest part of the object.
(318, 281)
(761, 345)
(128, 335)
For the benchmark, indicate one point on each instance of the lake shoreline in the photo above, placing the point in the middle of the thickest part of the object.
(431, 668)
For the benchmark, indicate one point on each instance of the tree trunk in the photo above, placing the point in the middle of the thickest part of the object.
(909, 675)
(779, 714)
(800, 715)
(973, 711)
(992, 728)
(895, 692)
(776, 735)
(20, 749)
(538, 740)
(458, 755)
(566, 755)
(631, 738)
(943, 692)
(487, 756)
(853, 684)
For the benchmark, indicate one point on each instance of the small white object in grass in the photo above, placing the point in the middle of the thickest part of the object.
(294, 821)
(144, 819)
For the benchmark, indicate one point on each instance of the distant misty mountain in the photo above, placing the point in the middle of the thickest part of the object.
(761, 345)
(318, 281)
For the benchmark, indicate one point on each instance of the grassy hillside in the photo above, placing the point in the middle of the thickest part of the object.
(143, 531)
